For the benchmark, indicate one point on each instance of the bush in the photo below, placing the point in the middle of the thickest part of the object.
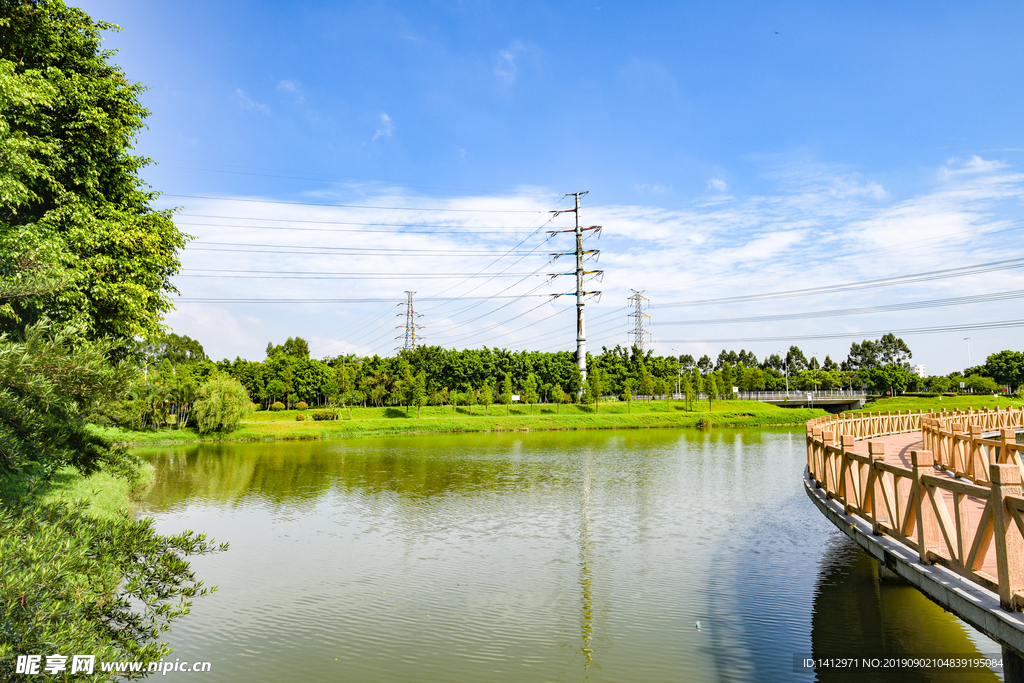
(223, 401)
(320, 415)
(299, 417)
(277, 405)
(301, 405)
(704, 423)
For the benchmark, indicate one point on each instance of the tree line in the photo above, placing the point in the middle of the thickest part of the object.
(177, 367)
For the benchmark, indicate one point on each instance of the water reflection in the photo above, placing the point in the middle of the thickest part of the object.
(516, 557)
(865, 612)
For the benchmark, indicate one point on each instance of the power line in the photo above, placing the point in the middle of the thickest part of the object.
(212, 300)
(349, 206)
(927, 276)
(406, 228)
(907, 306)
(387, 250)
(327, 275)
(994, 325)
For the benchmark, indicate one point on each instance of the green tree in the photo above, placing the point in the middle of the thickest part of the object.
(646, 381)
(530, 390)
(419, 391)
(506, 393)
(221, 404)
(486, 396)
(687, 388)
(596, 382)
(557, 397)
(710, 388)
(71, 193)
(627, 394)
(1006, 367)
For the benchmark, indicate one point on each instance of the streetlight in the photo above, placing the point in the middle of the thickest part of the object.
(968, 340)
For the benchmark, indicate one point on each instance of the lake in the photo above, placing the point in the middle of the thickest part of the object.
(543, 556)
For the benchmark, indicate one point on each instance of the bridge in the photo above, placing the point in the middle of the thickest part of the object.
(835, 400)
(936, 498)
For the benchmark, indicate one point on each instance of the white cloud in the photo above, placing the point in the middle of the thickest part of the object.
(510, 61)
(289, 86)
(717, 185)
(505, 69)
(248, 104)
(386, 128)
(836, 228)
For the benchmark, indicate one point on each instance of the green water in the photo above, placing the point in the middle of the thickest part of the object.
(565, 556)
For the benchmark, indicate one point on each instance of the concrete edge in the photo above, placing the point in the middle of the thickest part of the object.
(976, 605)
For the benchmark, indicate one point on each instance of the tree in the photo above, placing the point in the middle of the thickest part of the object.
(646, 381)
(222, 402)
(687, 387)
(557, 397)
(506, 393)
(710, 388)
(350, 398)
(595, 378)
(1006, 367)
(530, 390)
(486, 396)
(796, 362)
(419, 391)
(705, 364)
(71, 193)
(979, 384)
(627, 394)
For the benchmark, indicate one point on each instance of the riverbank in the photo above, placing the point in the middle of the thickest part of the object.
(106, 495)
(938, 403)
(283, 425)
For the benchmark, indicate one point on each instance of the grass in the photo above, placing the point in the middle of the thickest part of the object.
(948, 402)
(274, 426)
(107, 496)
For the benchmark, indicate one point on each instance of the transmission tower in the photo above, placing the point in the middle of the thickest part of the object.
(580, 253)
(410, 326)
(639, 333)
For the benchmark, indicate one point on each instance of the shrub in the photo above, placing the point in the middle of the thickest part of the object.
(704, 423)
(299, 417)
(277, 405)
(301, 405)
(320, 415)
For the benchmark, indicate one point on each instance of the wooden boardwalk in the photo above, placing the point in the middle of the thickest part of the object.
(897, 452)
(946, 485)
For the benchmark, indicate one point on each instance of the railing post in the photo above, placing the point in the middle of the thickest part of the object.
(1008, 436)
(927, 524)
(1009, 544)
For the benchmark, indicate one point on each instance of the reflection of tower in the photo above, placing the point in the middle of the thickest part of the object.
(586, 571)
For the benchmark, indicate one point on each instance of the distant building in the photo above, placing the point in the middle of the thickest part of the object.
(919, 371)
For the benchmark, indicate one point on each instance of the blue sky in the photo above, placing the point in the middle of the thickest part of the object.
(729, 149)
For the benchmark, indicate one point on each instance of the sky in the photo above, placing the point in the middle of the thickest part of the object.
(767, 174)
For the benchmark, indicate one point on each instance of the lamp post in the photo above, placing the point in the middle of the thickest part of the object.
(968, 340)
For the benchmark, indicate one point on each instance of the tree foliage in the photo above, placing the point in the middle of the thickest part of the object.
(222, 403)
(70, 187)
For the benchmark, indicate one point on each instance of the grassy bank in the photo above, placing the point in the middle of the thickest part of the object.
(272, 426)
(948, 402)
(105, 494)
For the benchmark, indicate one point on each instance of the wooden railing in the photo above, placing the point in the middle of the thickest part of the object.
(959, 504)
